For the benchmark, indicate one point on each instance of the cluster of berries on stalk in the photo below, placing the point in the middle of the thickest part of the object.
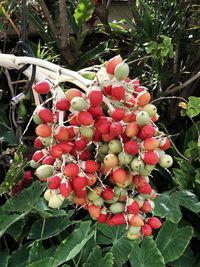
(97, 148)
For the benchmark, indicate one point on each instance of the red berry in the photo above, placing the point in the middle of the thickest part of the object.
(139, 180)
(38, 143)
(85, 118)
(38, 155)
(116, 129)
(43, 130)
(65, 187)
(95, 97)
(131, 147)
(54, 182)
(133, 206)
(147, 131)
(62, 104)
(56, 151)
(45, 115)
(146, 230)
(154, 222)
(71, 169)
(118, 92)
(151, 158)
(145, 189)
(49, 160)
(42, 87)
(117, 114)
(79, 182)
(91, 166)
(118, 219)
(102, 217)
(80, 144)
(61, 133)
(65, 146)
(146, 207)
(112, 63)
(107, 193)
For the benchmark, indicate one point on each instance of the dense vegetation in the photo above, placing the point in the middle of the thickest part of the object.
(161, 45)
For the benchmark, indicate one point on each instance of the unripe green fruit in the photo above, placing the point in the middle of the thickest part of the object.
(124, 158)
(104, 148)
(44, 171)
(99, 202)
(87, 131)
(49, 193)
(119, 191)
(166, 161)
(137, 165)
(121, 71)
(134, 229)
(47, 141)
(145, 196)
(160, 152)
(56, 201)
(36, 119)
(115, 146)
(116, 207)
(78, 103)
(150, 109)
(92, 196)
(142, 118)
(140, 200)
(114, 200)
(149, 167)
(34, 164)
(144, 172)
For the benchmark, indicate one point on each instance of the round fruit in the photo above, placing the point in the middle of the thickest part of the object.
(166, 161)
(78, 103)
(121, 71)
(116, 208)
(142, 118)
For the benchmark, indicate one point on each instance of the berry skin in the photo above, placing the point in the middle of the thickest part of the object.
(142, 118)
(65, 188)
(91, 166)
(139, 180)
(151, 143)
(110, 160)
(115, 146)
(79, 183)
(131, 147)
(94, 211)
(61, 133)
(150, 109)
(124, 158)
(136, 220)
(133, 206)
(62, 104)
(48, 160)
(54, 182)
(145, 189)
(146, 207)
(166, 161)
(118, 219)
(116, 129)
(44, 171)
(164, 144)
(38, 155)
(118, 92)
(71, 169)
(95, 97)
(154, 222)
(65, 146)
(71, 93)
(42, 87)
(143, 98)
(80, 144)
(116, 207)
(147, 131)
(43, 130)
(150, 158)
(87, 131)
(137, 165)
(119, 175)
(38, 143)
(96, 112)
(121, 71)
(85, 118)
(78, 103)
(112, 63)
(107, 193)
(56, 151)
(132, 129)
(91, 179)
(45, 115)
(146, 230)
(117, 114)
(56, 201)
(103, 216)
(133, 230)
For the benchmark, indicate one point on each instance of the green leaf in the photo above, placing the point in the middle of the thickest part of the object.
(83, 11)
(168, 204)
(42, 263)
(172, 241)
(19, 257)
(194, 102)
(85, 252)
(7, 220)
(16, 228)
(4, 257)
(187, 259)
(148, 255)
(7, 135)
(103, 261)
(50, 227)
(191, 134)
(192, 112)
(73, 244)
(121, 245)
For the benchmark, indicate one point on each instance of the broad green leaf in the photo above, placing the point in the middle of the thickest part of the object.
(83, 11)
(191, 134)
(19, 257)
(146, 255)
(16, 228)
(7, 135)
(7, 220)
(172, 241)
(42, 263)
(73, 244)
(50, 227)
(187, 259)
(168, 204)
(116, 238)
(4, 257)
(192, 112)
(103, 260)
(194, 102)
(36, 252)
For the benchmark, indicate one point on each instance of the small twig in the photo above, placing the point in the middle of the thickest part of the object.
(169, 97)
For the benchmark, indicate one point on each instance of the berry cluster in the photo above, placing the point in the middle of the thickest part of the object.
(101, 157)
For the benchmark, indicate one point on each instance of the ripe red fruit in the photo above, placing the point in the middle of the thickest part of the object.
(65, 187)
(56, 151)
(61, 133)
(136, 220)
(131, 147)
(145, 189)
(117, 114)
(38, 143)
(54, 182)
(103, 126)
(95, 97)
(102, 217)
(79, 183)
(43, 130)
(118, 219)
(164, 144)
(94, 211)
(151, 158)
(147, 131)
(107, 193)
(118, 92)
(107, 89)
(151, 143)
(71, 169)
(143, 98)
(65, 146)
(146, 230)
(71, 93)
(85, 155)
(82, 193)
(49, 160)
(133, 206)
(38, 155)
(132, 129)
(112, 63)
(80, 144)
(116, 129)
(96, 111)
(72, 131)
(85, 118)
(146, 207)
(119, 175)
(42, 87)
(62, 104)
(154, 222)
(45, 114)
(139, 180)
(90, 166)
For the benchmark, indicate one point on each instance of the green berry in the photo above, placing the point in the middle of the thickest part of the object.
(142, 118)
